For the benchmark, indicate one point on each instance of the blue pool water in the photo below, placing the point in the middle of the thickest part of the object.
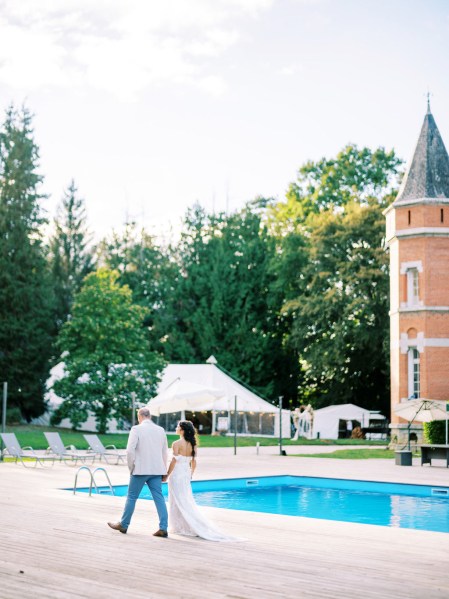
(385, 504)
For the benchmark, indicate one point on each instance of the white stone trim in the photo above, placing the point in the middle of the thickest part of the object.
(405, 307)
(423, 232)
(405, 266)
(401, 425)
(420, 342)
(403, 343)
(437, 342)
(419, 308)
(412, 202)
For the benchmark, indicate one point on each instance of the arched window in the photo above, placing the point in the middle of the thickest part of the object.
(414, 382)
(412, 286)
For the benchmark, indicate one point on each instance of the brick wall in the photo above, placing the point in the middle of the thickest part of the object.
(421, 326)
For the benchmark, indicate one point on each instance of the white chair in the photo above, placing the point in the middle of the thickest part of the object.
(67, 453)
(14, 450)
(97, 447)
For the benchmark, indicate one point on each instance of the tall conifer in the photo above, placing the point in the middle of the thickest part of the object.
(71, 259)
(25, 297)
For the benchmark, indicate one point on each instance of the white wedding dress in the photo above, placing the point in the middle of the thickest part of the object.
(184, 516)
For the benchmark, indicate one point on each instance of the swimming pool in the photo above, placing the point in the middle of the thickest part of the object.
(385, 504)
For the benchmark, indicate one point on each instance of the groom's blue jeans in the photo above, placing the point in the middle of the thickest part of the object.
(136, 483)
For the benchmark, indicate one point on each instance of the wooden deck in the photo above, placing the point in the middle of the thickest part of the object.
(54, 544)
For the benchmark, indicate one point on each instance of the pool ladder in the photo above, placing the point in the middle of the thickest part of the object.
(92, 480)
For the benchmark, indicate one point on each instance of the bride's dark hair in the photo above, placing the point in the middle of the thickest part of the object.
(189, 434)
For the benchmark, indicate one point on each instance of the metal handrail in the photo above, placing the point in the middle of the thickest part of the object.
(107, 478)
(92, 480)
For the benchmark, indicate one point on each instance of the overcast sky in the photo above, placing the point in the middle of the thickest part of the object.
(151, 105)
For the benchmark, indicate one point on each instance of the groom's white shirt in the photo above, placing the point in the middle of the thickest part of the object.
(147, 449)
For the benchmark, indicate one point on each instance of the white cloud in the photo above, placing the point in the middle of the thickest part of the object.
(291, 69)
(119, 47)
(213, 84)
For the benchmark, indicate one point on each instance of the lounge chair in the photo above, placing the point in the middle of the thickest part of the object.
(14, 450)
(68, 453)
(110, 451)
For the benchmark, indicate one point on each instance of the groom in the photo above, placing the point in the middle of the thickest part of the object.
(147, 462)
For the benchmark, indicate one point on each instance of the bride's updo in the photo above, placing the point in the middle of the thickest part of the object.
(189, 434)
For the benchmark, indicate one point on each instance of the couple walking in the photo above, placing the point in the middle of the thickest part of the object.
(147, 462)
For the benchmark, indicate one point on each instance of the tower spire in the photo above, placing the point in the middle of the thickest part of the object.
(427, 176)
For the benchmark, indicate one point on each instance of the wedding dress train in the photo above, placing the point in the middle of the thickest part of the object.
(184, 516)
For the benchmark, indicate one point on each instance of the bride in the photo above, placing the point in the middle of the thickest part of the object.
(184, 516)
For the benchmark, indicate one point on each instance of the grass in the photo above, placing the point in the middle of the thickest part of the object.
(33, 435)
(351, 454)
(354, 454)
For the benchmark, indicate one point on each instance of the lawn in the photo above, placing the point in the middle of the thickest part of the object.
(351, 454)
(33, 436)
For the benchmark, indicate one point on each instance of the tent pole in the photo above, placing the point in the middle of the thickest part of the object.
(235, 424)
(280, 425)
(5, 401)
(133, 408)
(214, 414)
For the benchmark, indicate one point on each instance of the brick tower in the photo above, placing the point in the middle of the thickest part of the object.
(418, 238)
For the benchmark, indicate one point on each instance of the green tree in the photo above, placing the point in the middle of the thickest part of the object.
(106, 353)
(25, 293)
(70, 257)
(330, 231)
(222, 302)
(340, 325)
(353, 175)
(149, 270)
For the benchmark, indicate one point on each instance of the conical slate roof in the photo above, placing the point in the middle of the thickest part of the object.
(427, 176)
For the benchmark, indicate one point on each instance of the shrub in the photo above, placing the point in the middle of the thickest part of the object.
(13, 416)
(435, 432)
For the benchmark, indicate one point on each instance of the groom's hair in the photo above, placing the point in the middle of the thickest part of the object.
(144, 412)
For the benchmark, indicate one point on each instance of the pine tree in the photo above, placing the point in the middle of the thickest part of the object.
(222, 302)
(71, 260)
(25, 295)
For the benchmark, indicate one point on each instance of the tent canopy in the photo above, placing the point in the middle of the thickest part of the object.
(199, 387)
(182, 395)
(211, 393)
(326, 420)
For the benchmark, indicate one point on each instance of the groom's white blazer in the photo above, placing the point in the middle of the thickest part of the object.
(147, 449)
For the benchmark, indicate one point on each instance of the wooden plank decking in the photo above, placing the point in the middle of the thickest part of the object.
(56, 545)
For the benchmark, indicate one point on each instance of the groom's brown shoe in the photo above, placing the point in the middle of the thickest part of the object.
(117, 526)
(161, 533)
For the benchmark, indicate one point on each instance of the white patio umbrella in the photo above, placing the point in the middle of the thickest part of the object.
(182, 395)
(422, 410)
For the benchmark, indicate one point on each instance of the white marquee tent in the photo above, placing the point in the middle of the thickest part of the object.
(326, 421)
(54, 401)
(209, 393)
(201, 392)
